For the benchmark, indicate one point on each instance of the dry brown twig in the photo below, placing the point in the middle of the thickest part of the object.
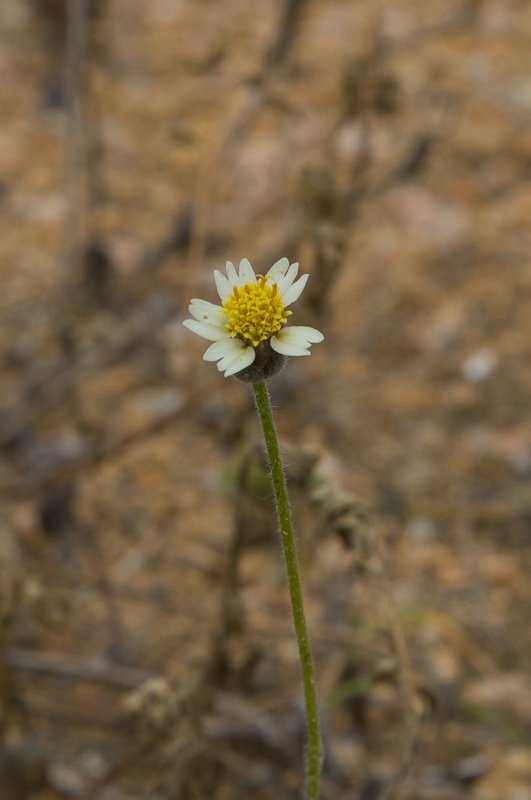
(66, 665)
(51, 385)
(76, 152)
(282, 43)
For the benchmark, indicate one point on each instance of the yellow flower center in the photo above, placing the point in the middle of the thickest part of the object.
(255, 311)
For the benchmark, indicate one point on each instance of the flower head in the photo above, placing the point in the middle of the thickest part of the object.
(248, 330)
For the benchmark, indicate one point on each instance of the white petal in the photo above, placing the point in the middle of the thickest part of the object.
(246, 272)
(301, 334)
(241, 355)
(222, 285)
(205, 329)
(232, 275)
(287, 348)
(244, 360)
(278, 270)
(205, 311)
(221, 349)
(285, 282)
(295, 291)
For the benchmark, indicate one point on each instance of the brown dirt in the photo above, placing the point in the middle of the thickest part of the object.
(389, 151)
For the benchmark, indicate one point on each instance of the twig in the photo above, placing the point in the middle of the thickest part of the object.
(76, 175)
(176, 240)
(75, 716)
(229, 610)
(53, 382)
(100, 453)
(68, 666)
(285, 35)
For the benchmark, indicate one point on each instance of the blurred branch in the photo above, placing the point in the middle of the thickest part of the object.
(78, 716)
(103, 452)
(240, 723)
(176, 240)
(238, 125)
(458, 19)
(8, 603)
(51, 384)
(68, 666)
(281, 45)
(76, 167)
(189, 229)
(230, 611)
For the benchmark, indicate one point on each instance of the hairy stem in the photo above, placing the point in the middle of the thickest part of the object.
(287, 535)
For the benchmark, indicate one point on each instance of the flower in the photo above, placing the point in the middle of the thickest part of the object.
(249, 327)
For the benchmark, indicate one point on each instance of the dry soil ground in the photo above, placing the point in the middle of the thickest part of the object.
(146, 650)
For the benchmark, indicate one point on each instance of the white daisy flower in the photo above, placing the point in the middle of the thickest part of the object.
(249, 327)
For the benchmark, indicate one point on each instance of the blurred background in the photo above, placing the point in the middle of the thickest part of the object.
(146, 646)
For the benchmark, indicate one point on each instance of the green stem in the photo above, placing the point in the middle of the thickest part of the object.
(313, 759)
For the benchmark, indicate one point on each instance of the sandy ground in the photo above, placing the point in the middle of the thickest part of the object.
(146, 649)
